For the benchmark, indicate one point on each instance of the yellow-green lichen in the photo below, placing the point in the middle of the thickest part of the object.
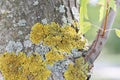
(52, 57)
(62, 39)
(33, 67)
(77, 71)
(21, 67)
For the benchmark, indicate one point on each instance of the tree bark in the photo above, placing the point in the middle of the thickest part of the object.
(18, 16)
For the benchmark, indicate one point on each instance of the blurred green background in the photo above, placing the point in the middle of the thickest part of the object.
(107, 65)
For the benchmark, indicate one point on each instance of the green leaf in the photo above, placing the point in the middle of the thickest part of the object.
(102, 9)
(101, 15)
(84, 27)
(83, 9)
(81, 14)
(117, 31)
(112, 5)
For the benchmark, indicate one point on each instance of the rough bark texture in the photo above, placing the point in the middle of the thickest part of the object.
(18, 16)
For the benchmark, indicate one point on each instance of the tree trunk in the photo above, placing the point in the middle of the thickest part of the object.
(18, 16)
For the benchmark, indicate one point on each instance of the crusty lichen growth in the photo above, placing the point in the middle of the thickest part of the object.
(21, 67)
(77, 71)
(52, 57)
(62, 39)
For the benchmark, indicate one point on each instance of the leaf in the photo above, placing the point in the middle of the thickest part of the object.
(101, 15)
(84, 27)
(117, 31)
(83, 9)
(102, 9)
(112, 5)
(81, 15)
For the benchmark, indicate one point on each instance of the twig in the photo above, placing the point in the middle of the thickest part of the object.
(101, 39)
(106, 19)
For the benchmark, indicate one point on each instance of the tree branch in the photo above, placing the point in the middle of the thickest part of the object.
(100, 40)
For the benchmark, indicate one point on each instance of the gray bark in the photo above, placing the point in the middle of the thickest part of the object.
(18, 16)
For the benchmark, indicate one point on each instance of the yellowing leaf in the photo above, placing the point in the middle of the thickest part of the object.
(101, 15)
(83, 16)
(102, 9)
(84, 27)
(117, 31)
(83, 9)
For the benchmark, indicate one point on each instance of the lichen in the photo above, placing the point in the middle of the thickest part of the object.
(36, 3)
(53, 43)
(22, 23)
(60, 66)
(42, 50)
(62, 9)
(77, 71)
(20, 32)
(18, 47)
(21, 67)
(27, 43)
(13, 46)
(64, 19)
(76, 53)
(62, 39)
(10, 46)
(52, 57)
(44, 21)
